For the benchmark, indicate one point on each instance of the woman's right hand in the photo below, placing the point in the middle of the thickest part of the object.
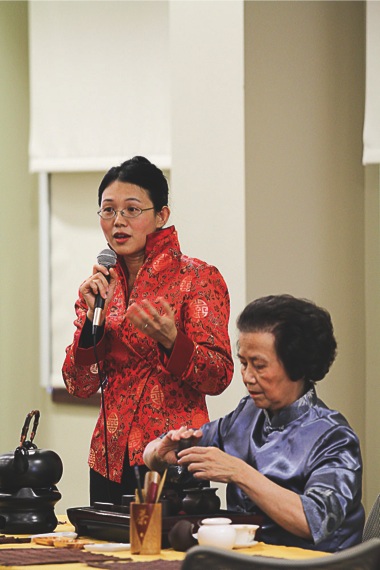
(162, 452)
(98, 283)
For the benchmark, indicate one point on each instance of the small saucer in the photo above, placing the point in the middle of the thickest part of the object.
(55, 535)
(252, 543)
(107, 546)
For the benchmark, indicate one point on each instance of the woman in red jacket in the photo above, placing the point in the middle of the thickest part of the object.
(162, 342)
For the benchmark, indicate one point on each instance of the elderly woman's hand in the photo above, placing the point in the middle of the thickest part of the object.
(280, 504)
(162, 452)
(98, 283)
(211, 463)
(155, 321)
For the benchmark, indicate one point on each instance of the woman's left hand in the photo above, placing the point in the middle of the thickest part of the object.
(210, 463)
(155, 321)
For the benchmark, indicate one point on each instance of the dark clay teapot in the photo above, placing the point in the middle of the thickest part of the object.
(29, 466)
(27, 485)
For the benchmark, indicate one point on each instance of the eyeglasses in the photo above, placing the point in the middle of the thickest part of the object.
(130, 212)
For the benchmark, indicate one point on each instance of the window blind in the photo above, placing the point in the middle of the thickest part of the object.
(99, 79)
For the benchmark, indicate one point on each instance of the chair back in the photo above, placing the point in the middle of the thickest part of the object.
(364, 556)
(372, 524)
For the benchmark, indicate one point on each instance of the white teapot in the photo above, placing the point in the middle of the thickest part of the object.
(217, 532)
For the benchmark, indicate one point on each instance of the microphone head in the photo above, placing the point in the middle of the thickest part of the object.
(107, 258)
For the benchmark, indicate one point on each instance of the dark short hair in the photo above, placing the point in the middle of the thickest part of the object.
(303, 332)
(140, 171)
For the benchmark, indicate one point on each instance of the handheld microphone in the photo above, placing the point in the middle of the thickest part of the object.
(107, 258)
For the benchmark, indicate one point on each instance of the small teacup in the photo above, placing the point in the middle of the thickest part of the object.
(245, 534)
(217, 532)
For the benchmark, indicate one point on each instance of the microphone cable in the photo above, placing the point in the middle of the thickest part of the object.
(102, 383)
(107, 258)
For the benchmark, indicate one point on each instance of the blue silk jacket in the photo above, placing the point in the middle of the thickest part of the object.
(306, 448)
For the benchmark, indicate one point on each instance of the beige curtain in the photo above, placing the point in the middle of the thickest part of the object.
(99, 79)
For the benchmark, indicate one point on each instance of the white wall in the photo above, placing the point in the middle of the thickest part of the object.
(207, 75)
(19, 234)
(304, 75)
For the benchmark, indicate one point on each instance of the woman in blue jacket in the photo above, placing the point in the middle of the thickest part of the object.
(282, 452)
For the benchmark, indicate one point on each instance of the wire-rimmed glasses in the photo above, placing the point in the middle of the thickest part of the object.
(108, 212)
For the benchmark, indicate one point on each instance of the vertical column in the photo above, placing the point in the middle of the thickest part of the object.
(370, 385)
(208, 179)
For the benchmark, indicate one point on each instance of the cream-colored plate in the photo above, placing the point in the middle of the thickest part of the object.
(107, 546)
(55, 535)
(252, 543)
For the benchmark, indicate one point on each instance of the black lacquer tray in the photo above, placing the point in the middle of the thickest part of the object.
(114, 526)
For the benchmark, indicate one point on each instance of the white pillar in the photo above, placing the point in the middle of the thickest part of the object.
(207, 178)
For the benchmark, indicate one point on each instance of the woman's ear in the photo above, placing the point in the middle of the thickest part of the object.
(163, 216)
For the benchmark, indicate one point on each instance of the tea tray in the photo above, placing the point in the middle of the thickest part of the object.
(113, 525)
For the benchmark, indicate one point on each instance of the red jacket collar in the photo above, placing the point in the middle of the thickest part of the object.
(155, 237)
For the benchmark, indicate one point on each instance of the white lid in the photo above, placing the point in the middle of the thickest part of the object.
(216, 520)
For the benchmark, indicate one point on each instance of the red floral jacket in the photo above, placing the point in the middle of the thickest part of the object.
(149, 393)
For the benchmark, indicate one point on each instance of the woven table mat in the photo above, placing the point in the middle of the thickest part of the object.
(32, 556)
(152, 565)
(13, 539)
